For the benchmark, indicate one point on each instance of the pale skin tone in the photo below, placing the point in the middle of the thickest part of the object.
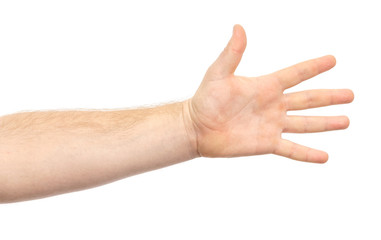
(54, 152)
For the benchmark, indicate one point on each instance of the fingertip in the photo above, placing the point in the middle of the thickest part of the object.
(238, 27)
(239, 40)
(229, 59)
(317, 156)
(333, 59)
(324, 158)
(350, 95)
(338, 123)
(325, 63)
(342, 96)
(329, 62)
(346, 122)
(320, 157)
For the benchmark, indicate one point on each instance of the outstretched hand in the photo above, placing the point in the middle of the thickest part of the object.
(240, 116)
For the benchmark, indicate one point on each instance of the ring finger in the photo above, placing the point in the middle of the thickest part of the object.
(318, 98)
(308, 124)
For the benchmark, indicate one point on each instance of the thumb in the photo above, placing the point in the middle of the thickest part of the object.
(230, 57)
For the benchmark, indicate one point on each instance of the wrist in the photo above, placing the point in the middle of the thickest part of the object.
(190, 128)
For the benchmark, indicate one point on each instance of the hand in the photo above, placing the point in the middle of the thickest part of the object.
(240, 116)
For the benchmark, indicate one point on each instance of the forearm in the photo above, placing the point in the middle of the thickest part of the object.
(48, 153)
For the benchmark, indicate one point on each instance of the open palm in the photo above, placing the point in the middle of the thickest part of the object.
(241, 116)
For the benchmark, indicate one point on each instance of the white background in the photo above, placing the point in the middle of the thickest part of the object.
(118, 54)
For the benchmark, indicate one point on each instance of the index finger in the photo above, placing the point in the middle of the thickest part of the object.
(300, 72)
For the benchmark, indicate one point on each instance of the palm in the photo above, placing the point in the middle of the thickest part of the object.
(240, 116)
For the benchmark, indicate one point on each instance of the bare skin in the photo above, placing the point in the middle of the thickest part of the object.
(241, 116)
(54, 152)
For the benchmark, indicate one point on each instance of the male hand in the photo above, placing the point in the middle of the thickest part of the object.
(240, 116)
